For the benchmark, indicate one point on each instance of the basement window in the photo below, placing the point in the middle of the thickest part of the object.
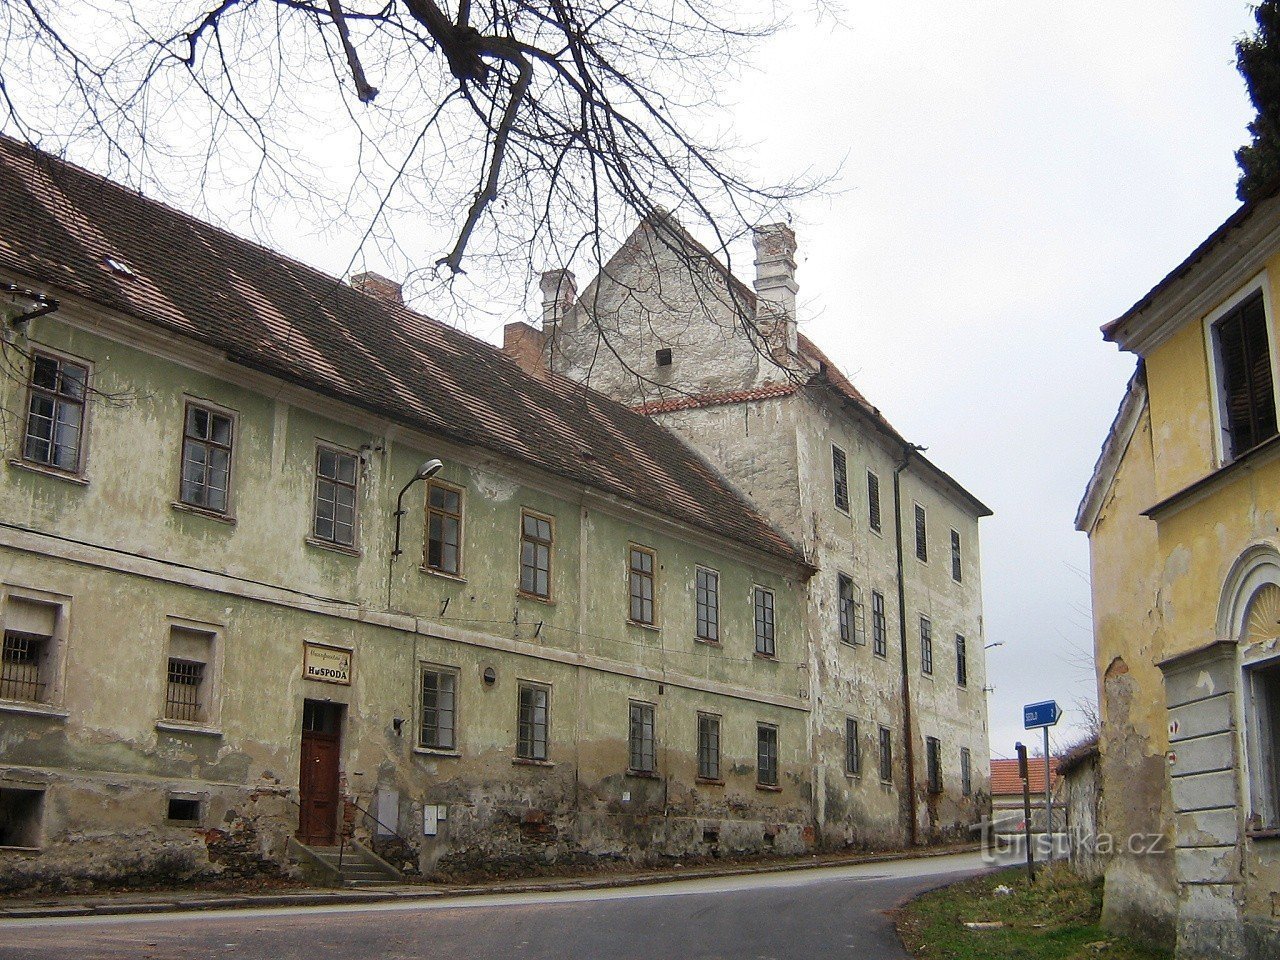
(663, 357)
(184, 808)
(21, 812)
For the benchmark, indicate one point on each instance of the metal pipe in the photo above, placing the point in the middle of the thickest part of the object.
(908, 735)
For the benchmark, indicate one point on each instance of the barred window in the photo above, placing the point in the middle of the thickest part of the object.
(766, 755)
(764, 622)
(26, 660)
(873, 501)
(844, 591)
(532, 722)
(933, 764)
(437, 729)
(641, 738)
(206, 458)
(962, 661)
(707, 589)
(188, 681)
(956, 572)
(335, 508)
(535, 555)
(55, 412)
(852, 748)
(926, 645)
(444, 528)
(708, 746)
(966, 772)
(879, 635)
(922, 546)
(886, 755)
(640, 566)
(840, 478)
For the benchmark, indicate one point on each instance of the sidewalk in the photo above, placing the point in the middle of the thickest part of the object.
(115, 904)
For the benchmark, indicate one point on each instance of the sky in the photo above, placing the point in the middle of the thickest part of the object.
(1011, 174)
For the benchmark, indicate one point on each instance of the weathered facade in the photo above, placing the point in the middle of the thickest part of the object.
(1185, 552)
(895, 611)
(212, 646)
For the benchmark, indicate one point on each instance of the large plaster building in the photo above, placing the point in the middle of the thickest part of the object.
(1184, 539)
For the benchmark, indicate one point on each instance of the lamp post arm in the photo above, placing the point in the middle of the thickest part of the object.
(400, 512)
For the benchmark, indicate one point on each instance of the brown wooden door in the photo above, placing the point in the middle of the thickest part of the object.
(318, 776)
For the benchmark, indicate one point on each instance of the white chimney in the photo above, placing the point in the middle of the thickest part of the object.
(559, 291)
(776, 284)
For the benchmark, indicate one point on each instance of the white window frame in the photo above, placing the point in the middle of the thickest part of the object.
(82, 454)
(1216, 399)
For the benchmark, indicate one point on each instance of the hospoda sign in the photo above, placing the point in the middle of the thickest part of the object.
(326, 664)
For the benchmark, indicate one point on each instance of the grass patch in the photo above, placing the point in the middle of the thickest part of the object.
(1054, 919)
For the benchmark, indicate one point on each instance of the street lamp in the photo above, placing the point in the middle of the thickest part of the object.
(988, 646)
(429, 469)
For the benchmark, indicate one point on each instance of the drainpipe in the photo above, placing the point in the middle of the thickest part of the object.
(908, 738)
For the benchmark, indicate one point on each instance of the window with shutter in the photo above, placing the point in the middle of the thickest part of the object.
(1244, 358)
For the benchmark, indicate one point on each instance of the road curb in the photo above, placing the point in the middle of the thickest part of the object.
(302, 898)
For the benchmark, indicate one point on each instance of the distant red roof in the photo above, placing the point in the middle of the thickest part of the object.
(695, 402)
(1005, 779)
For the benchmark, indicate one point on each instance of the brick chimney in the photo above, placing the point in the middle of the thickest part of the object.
(527, 346)
(776, 284)
(377, 286)
(559, 291)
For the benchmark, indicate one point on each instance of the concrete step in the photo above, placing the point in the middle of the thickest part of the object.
(352, 866)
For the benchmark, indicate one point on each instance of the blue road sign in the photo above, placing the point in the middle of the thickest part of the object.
(1044, 714)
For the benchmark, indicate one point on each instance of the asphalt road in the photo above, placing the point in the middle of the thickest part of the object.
(808, 915)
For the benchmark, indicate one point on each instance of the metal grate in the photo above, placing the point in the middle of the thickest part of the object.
(20, 666)
(182, 696)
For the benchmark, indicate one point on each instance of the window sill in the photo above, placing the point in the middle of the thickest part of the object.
(184, 824)
(9, 848)
(176, 726)
(535, 598)
(528, 762)
(707, 642)
(442, 574)
(33, 709)
(1266, 833)
(78, 479)
(709, 782)
(202, 512)
(653, 627)
(852, 776)
(333, 547)
(767, 657)
(436, 752)
(768, 788)
(644, 774)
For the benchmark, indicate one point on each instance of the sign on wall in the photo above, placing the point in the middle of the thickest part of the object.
(326, 664)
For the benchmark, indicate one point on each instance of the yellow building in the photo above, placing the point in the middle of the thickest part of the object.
(1181, 514)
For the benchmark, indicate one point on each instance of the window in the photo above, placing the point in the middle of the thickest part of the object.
(852, 749)
(933, 764)
(183, 808)
(27, 660)
(335, 513)
(531, 722)
(444, 528)
(962, 661)
(840, 478)
(708, 746)
(873, 501)
(764, 622)
(707, 588)
(886, 755)
(21, 810)
(955, 557)
(966, 772)
(55, 413)
(879, 636)
(926, 645)
(922, 546)
(641, 739)
(640, 570)
(662, 357)
(189, 676)
(535, 555)
(1263, 706)
(1247, 399)
(206, 459)
(844, 598)
(766, 755)
(438, 723)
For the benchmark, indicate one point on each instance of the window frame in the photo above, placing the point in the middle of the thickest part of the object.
(765, 616)
(966, 772)
(82, 442)
(957, 557)
(846, 610)
(214, 409)
(549, 544)
(316, 537)
(430, 511)
(529, 755)
(1262, 741)
(634, 576)
(933, 765)
(1259, 284)
(879, 626)
(439, 670)
(962, 661)
(852, 748)
(711, 773)
(711, 637)
(926, 646)
(645, 747)
(767, 762)
(884, 748)
(875, 518)
(922, 532)
(211, 634)
(53, 669)
(839, 478)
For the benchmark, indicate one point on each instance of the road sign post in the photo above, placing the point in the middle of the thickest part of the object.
(1026, 810)
(1044, 715)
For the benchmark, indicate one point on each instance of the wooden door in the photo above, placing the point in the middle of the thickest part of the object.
(318, 776)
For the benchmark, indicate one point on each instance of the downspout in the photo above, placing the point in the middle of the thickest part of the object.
(908, 738)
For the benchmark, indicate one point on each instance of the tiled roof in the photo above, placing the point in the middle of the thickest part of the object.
(1005, 779)
(59, 224)
(699, 401)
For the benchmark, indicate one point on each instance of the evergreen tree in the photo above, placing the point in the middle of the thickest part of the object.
(1258, 60)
